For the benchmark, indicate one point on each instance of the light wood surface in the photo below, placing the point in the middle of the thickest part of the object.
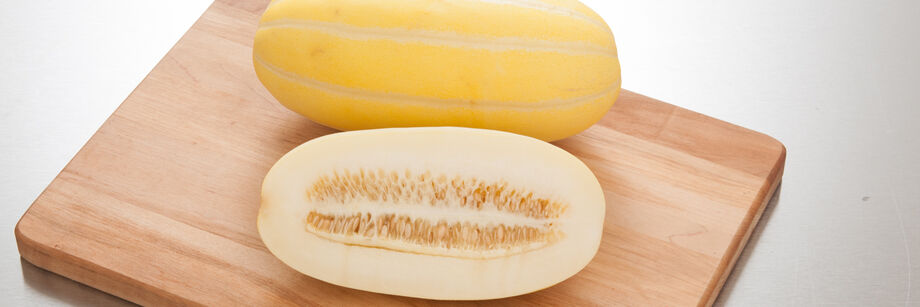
(159, 207)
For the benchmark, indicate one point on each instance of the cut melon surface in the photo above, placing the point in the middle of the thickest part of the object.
(439, 213)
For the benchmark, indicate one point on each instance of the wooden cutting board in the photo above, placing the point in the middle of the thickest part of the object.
(159, 207)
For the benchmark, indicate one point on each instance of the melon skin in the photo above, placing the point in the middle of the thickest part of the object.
(546, 69)
(398, 266)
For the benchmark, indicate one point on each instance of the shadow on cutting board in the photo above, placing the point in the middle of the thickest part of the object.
(749, 248)
(64, 290)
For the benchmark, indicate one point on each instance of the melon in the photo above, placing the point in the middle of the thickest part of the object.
(546, 69)
(440, 213)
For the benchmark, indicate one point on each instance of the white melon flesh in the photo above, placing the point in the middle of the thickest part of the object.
(438, 213)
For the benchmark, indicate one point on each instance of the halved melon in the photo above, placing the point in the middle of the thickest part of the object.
(439, 213)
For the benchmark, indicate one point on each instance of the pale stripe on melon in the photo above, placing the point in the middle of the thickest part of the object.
(567, 8)
(450, 39)
(517, 77)
(467, 17)
(349, 109)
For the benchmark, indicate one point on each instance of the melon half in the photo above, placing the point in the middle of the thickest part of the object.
(438, 213)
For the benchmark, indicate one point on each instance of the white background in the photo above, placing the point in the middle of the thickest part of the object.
(836, 81)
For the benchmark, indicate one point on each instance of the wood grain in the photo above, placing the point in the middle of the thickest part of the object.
(159, 207)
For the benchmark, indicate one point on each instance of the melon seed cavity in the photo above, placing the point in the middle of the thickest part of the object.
(426, 214)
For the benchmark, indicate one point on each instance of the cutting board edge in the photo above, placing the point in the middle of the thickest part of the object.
(746, 229)
(49, 258)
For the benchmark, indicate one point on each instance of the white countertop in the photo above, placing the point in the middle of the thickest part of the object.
(838, 82)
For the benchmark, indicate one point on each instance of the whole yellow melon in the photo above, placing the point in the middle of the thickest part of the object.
(542, 68)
